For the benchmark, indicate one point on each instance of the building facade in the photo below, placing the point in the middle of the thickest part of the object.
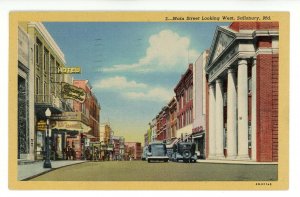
(184, 97)
(200, 103)
(172, 119)
(26, 132)
(46, 82)
(134, 150)
(242, 73)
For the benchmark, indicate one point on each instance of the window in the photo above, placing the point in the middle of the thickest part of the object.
(225, 137)
(46, 55)
(36, 54)
(249, 135)
(37, 82)
(249, 85)
(45, 91)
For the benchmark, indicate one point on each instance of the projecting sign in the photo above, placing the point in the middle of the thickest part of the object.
(69, 91)
(69, 70)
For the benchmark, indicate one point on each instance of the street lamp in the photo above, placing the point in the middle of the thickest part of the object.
(47, 162)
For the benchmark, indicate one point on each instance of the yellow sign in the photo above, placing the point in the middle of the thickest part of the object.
(69, 70)
(72, 92)
(41, 125)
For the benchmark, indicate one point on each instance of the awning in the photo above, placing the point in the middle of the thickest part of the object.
(72, 125)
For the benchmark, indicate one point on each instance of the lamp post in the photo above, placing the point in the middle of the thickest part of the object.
(47, 162)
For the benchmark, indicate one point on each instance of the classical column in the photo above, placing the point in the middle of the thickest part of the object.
(212, 121)
(253, 112)
(231, 115)
(242, 110)
(219, 120)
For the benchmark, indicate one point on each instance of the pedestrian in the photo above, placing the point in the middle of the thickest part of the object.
(87, 153)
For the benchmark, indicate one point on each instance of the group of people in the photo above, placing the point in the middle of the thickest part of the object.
(70, 153)
(92, 156)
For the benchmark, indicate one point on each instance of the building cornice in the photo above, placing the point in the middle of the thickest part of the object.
(46, 35)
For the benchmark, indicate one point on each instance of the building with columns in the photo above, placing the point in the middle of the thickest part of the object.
(242, 73)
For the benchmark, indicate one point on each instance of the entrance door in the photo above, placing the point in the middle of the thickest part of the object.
(22, 118)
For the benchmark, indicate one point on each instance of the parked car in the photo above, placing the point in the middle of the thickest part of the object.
(157, 151)
(145, 151)
(184, 151)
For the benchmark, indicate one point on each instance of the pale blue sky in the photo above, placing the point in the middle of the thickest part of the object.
(132, 67)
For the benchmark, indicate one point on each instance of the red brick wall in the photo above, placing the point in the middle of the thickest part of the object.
(237, 26)
(267, 107)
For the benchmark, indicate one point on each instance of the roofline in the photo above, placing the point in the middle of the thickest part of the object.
(47, 36)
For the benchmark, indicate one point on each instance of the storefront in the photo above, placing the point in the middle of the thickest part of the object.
(198, 137)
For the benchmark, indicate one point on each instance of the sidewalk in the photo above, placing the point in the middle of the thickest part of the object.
(30, 170)
(224, 161)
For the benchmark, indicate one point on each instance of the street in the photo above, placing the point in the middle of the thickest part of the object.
(171, 171)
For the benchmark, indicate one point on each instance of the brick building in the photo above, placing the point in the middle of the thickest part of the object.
(184, 97)
(162, 124)
(134, 150)
(242, 73)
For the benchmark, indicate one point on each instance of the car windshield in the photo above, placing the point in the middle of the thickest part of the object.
(186, 146)
(158, 149)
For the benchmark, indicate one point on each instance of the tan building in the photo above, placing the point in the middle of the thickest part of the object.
(47, 59)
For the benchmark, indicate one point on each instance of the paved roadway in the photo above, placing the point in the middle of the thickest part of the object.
(171, 171)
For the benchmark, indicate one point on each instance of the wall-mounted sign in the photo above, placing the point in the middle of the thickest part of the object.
(197, 129)
(41, 125)
(69, 70)
(69, 91)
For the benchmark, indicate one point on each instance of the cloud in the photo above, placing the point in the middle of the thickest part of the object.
(133, 90)
(167, 51)
(118, 82)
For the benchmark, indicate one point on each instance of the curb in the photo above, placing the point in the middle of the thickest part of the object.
(236, 162)
(50, 170)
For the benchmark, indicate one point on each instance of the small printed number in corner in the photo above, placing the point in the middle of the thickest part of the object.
(263, 184)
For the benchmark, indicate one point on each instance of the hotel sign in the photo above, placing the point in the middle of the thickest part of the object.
(69, 70)
(69, 91)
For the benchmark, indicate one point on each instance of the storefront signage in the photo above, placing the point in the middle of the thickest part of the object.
(41, 125)
(72, 92)
(72, 116)
(110, 147)
(69, 70)
(197, 129)
(72, 125)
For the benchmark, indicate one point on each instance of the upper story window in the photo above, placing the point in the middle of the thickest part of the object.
(37, 49)
(46, 60)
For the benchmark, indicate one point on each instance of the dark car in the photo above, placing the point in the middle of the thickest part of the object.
(184, 151)
(157, 151)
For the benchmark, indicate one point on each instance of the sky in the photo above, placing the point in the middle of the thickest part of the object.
(133, 67)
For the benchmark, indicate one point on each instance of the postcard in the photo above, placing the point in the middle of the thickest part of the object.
(149, 100)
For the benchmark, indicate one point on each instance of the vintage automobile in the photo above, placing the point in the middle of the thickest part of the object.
(184, 151)
(145, 151)
(157, 151)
